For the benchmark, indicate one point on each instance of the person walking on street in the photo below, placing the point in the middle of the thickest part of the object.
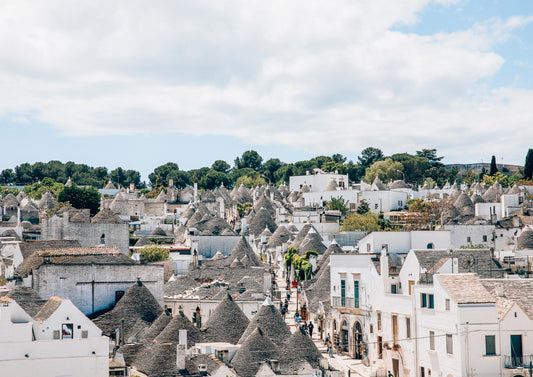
(310, 327)
(330, 348)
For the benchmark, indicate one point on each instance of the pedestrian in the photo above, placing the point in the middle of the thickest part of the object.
(310, 327)
(330, 348)
(304, 327)
(390, 374)
(283, 312)
(297, 319)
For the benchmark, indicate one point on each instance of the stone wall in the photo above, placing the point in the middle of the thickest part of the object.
(75, 282)
(88, 234)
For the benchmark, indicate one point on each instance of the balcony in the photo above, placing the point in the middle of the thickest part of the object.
(510, 362)
(344, 302)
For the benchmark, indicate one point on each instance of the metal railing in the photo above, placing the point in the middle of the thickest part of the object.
(511, 362)
(344, 302)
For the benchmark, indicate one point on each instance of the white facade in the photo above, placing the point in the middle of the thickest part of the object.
(28, 347)
(320, 198)
(402, 242)
(471, 235)
(317, 181)
(384, 201)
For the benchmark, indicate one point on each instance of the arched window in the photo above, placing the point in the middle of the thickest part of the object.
(102, 239)
(430, 245)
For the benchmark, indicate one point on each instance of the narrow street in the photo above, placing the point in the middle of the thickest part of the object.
(349, 366)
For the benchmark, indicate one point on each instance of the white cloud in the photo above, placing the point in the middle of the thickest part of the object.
(324, 76)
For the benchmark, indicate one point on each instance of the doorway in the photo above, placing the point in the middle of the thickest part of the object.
(516, 350)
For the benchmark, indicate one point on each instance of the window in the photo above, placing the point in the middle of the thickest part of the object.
(394, 329)
(430, 245)
(368, 248)
(411, 284)
(84, 334)
(102, 239)
(408, 327)
(422, 372)
(431, 304)
(118, 296)
(379, 320)
(393, 289)
(423, 300)
(484, 238)
(400, 203)
(449, 344)
(490, 345)
(380, 347)
(468, 239)
(67, 331)
(56, 334)
(371, 328)
(343, 293)
(356, 294)
(376, 206)
(447, 304)
(432, 340)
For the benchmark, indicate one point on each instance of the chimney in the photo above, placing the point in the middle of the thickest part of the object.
(181, 354)
(132, 186)
(267, 283)
(195, 191)
(182, 336)
(384, 266)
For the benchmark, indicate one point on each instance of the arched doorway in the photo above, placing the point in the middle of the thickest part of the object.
(344, 337)
(358, 351)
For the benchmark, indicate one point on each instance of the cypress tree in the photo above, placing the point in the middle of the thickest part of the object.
(493, 168)
(528, 166)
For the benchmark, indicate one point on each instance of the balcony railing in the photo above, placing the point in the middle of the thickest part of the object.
(344, 302)
(517, 362)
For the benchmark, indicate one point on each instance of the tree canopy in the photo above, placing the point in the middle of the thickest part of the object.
(81, 198)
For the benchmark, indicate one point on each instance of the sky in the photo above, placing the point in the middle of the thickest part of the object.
(138, 83)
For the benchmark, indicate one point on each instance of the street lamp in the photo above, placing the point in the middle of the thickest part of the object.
(403, 174)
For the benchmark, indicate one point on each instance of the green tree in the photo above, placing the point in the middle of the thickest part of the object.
(386, 170)
(338, 204)
(7, 177)
(528, 165)
(431, 156)
(363, 207)
(162, 174)
(415, 167)
(489, 180)
(154, 253)
(356, 222)
(214, 179)
(369, 156)
(81, 198)
(250, 180)
(221, 166)
(493, 167)
(270, 167)
(37, 189)
(250, 159)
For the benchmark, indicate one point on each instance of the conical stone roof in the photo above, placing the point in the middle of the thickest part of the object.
(137, 306)
(158, 232)
(243, 249)
(270, 320)
(157, 326)
(227, 323)
(333, 248)
(301, 236)
(260, 221)
(300, 349)
(279, 237)
(312, 241)
(265, 203)
(255, 350)
(170, 334)
(525, 240)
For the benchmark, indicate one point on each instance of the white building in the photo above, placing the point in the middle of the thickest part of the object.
(384, 201)
(402, 242)
(59, 341)
(318, 181)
